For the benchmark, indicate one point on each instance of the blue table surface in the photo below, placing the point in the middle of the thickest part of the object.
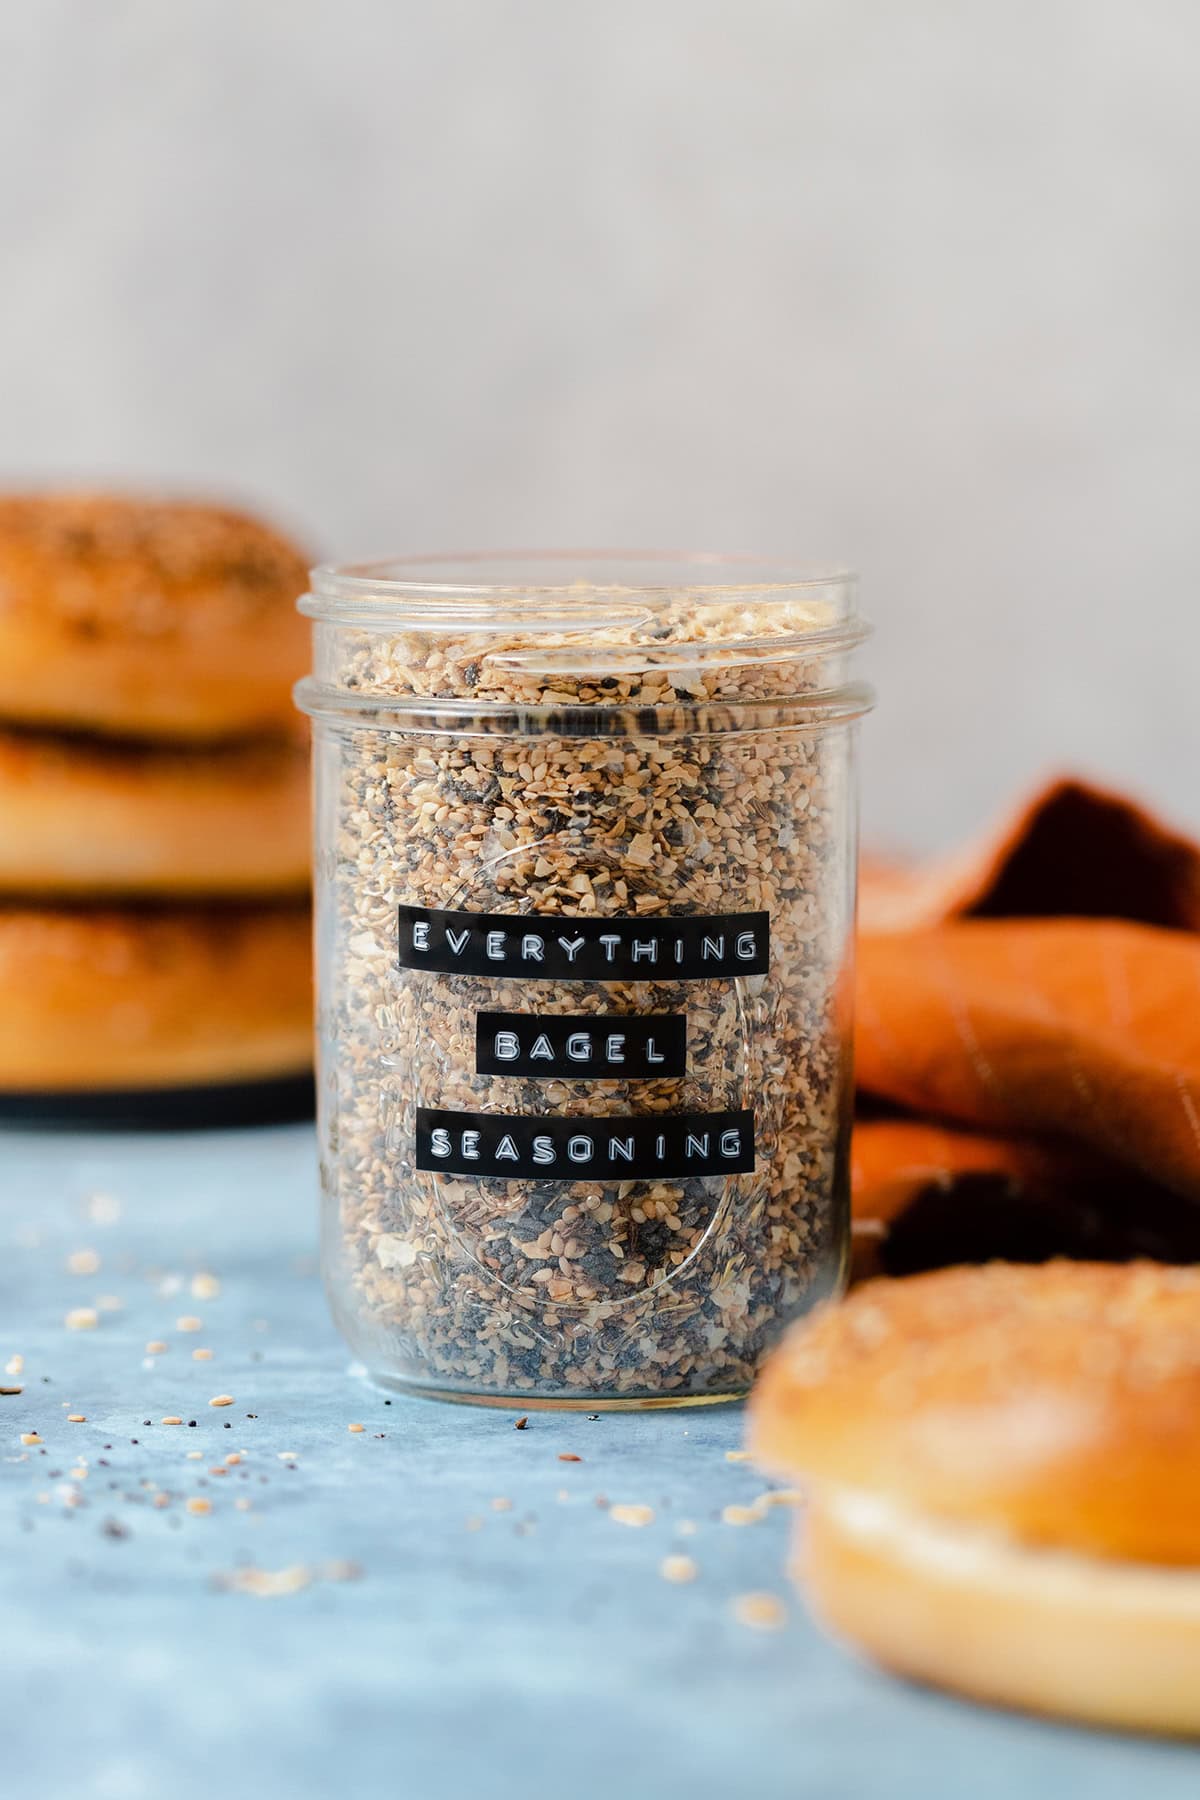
(424, 1642)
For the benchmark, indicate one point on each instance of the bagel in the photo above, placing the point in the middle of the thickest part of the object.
(1003, 1471)
(153, 997)
(147, 618)
(85, 816)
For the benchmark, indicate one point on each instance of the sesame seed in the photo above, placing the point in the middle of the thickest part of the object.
(760, 1612)
(737, 1456)
(356, 1428)
(83, 1262)
(198, 1504)
(189, 1322)
(678, 1568)
(82, 1318)
(221, 1400)
(30, 1437)
(155, 1347)
(743, 1515)
(171, 1419)
(205, 1287)
(76, 1418)
(632, 1515)
(201, 1355)
(566, 1456)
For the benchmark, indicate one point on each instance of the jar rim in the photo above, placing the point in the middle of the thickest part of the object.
(496, 579)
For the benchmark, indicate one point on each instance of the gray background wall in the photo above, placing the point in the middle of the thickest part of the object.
(915, 285)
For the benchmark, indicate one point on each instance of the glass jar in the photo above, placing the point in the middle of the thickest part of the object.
(585, 868)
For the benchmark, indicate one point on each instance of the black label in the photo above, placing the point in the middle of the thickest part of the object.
(542, 947)
(587, 1148)
(583, 1046)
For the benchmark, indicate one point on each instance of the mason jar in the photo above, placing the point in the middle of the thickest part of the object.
(585, 870)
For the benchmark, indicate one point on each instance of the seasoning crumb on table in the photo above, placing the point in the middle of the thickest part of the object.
(744, 1515)
(760, 1612)
(632, 1514)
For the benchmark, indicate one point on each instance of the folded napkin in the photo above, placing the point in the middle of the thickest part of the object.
(1028, 1043)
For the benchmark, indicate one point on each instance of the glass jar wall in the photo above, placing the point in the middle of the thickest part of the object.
(585, 875)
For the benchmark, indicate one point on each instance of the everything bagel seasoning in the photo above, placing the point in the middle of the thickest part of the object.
(584, 899)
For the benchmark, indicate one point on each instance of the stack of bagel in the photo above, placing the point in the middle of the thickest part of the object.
(154, 862)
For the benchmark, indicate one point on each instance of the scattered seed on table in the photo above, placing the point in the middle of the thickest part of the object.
(678, 1568)
(198, 1504)
(221, 1400)
(737, 1456)
(743, 1515)
(286, 1455)
(76, 1418)
(11, 1390)
(761, 1612)
(566, 1456)
(189, 1322)
(156, 1347)
(83, 1262)
(82, 1318)
(171, 1419)
(201, 1355)
(205, 1287)
(243, 1504)
(342, 1568)
(235, 1456)
(194, 1455)
(356, 1428)
(632, 1515)
(30, 1437)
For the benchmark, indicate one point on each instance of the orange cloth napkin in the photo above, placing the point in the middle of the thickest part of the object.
(1028, 1043)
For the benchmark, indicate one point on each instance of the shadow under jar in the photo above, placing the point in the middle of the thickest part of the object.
(585, 866)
